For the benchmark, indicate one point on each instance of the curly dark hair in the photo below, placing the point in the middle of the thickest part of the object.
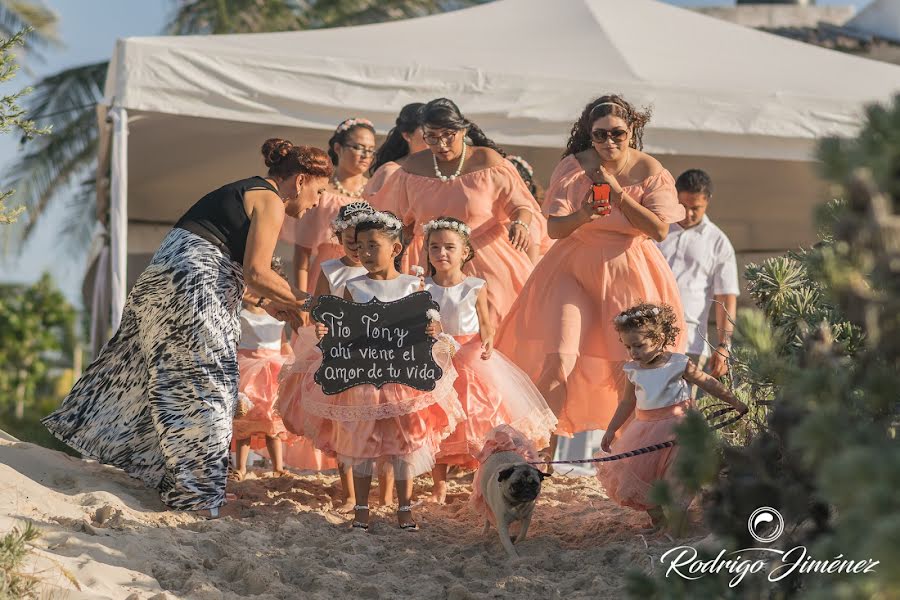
(463, 235)
(657, 319)
(284, 159)
(395, 235)
(395, 145)
(442, 113)
(340, 137)
(611, 104)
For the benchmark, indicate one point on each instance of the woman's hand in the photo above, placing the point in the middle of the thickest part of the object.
(607, 440)
(591, 209)
(518, 236)
(604, 176)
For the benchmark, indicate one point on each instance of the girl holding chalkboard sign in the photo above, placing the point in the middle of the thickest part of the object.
(491, 389)
(395, 423)
(332, 279)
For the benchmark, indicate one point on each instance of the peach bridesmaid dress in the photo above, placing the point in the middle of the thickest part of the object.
(562, 321)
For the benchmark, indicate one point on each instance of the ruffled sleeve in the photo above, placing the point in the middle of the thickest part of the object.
(558, 200)
(393, 196)
(661, 198)
(379, 178)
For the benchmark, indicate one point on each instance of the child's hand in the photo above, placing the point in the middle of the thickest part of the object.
(321, 330)
(487, 346)
(608, 438)
(434, 329)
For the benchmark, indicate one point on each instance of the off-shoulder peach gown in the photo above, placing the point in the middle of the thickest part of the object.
(562, 322)
(485, 200)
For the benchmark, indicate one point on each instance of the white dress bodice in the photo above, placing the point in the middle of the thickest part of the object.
(659, 387)
(362, 289)
(338, 274)
(458, 314)
(260, 331)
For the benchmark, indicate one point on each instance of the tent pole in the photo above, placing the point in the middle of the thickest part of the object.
(118, 214)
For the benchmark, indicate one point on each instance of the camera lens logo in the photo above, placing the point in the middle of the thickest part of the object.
(765, 524)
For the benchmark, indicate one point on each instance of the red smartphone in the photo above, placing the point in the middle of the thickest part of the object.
(601, 192)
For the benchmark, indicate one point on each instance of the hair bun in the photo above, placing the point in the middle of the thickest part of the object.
(274, 150)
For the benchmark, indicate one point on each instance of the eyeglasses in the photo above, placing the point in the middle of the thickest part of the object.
(361, 150)
(433, 140)
(616, 135)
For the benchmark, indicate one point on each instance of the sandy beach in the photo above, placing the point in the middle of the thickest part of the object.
(104, 535)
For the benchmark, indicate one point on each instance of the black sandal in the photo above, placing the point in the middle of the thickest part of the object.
(407, 526)
(356, 524)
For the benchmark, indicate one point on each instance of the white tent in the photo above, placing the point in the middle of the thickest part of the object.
(881, 18)
(189, 113)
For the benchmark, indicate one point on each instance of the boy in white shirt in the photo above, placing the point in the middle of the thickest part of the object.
(702, 258)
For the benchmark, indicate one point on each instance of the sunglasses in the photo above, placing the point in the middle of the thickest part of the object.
(361, 150)
(616, 135)
(433, 140)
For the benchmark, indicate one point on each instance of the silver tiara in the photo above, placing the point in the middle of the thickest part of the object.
(351, 210)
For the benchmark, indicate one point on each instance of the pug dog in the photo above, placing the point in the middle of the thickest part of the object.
(510, 487)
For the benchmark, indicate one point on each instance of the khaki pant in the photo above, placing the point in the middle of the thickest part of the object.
(700, 361)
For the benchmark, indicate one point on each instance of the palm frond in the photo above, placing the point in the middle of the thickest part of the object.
(66, 102)
(193, 17)
(16, 15)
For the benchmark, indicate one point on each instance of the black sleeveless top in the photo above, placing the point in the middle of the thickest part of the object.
(219, 217)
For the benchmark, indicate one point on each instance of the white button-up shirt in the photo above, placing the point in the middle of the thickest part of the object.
(703, 261)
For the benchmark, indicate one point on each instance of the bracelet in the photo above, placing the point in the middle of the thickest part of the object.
(522, 223)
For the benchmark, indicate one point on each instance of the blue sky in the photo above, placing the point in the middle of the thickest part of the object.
(89, 29)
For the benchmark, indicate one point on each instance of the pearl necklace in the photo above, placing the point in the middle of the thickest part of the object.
(449, 178)
(344, 191)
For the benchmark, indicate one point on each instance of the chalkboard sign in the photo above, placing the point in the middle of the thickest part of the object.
(376, 343)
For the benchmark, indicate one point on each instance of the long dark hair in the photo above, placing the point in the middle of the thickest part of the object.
(395, 145)
(611, 104)
(443, 113)
(342, 132)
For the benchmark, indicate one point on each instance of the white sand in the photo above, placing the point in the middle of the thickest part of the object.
(281, 539)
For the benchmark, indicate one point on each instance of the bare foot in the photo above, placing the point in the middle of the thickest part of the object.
(282, 473)
(237, 475)
(346, 507)
(439, 493)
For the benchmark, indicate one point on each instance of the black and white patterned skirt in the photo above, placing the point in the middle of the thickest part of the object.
(158, 401)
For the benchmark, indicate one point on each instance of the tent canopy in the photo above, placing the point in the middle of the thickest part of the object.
(522, 69)
(881, 18)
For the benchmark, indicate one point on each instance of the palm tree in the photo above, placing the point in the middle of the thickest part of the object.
(17, 15)
(66, 101)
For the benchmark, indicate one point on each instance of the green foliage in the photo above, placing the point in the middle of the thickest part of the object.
(12, 116)
(14, 547)
(36, 334)
(824, 349)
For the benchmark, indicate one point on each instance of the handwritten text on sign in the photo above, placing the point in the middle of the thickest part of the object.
(376, 343)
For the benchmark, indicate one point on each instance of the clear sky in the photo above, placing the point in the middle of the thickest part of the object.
(89, 29)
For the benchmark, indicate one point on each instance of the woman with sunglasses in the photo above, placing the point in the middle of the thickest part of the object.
(351, 149)
(477, 185)
(607, 204)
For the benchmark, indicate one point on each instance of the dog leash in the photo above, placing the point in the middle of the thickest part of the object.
(646, 449)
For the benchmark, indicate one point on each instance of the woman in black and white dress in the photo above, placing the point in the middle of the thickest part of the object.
(158, 401)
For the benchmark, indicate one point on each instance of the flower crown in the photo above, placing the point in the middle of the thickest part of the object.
(524, 163)
(436, 224)
(647, 312)
(374, 217)
(350, 211)
(347, 124)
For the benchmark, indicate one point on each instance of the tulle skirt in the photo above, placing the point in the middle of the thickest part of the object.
(299, 451)
(561, 325)
(628, 481)
(395, 423)
(492, 392)
(259, 370)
